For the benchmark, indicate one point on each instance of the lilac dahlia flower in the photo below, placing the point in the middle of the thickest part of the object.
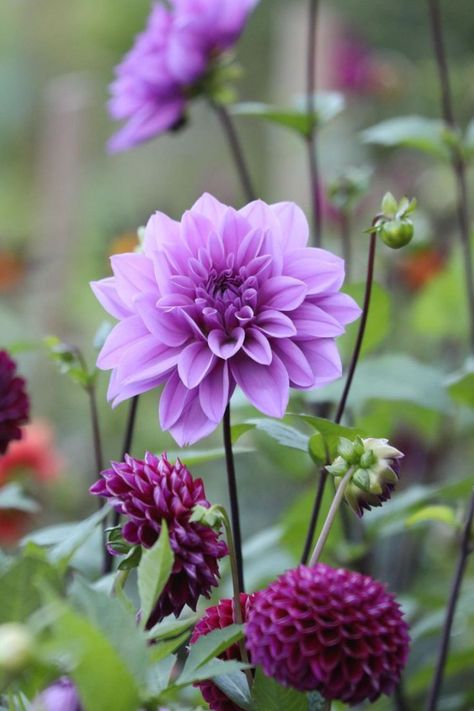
(220, 299)
(179, 47)
(14, 402)
(149, 491)
(329, 630)
(60, 696)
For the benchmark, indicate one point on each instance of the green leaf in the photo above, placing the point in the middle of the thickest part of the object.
(207, 647)
(12, 497)
(20, 587)
(192, 457)
(317, 448)
(268, 695)
(330, 432)
(327, 105)
(79, 533)
(170, 628)
(434, 513)
(279, 431)
(378, 323)
(212, 668)
(163, 649)
(153, 572)
(158, 676)
(461, 384)
(235, 687)
(424, 134)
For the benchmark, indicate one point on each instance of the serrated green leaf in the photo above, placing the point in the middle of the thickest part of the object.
(284, 434)
(317, 448)
(171, 628)
(153, 572)
(235, 687)
(212, 668)
(78, 534)
(207, 647)
(12, 497)
(434, 513)
(158, 676)
(268, 695)
(331, 432)
(21, 584)
(424, 134)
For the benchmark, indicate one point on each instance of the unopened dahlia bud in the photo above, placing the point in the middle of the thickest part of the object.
(16, 645)
(375, 466)
(394, 224)
(149, 491)
(216, 618)
(329, 630)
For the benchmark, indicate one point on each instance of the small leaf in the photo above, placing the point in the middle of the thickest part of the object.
(331, 432)
(461, 384)
(424, 134)
(235, 687)
(434, 513)
(170, 628)
(207, 647)
(317, 448)
(153, 572)
(13, 498)
(268, 695)
(279, 431)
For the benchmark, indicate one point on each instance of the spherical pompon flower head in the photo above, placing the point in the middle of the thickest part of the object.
(14, 402)
(216, 618)
(180, 47)
(149, 491)
(220, 299)
(333, 631)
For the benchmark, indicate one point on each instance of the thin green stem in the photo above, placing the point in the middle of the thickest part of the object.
(233, 497)
(236, 150)
(336, 502)
(311, 139)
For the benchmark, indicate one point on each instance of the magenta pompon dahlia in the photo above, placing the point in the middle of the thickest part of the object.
(329, 630)
(220, 299)
(14, 402)
(216, 618)
(152, 490)
(159, 75)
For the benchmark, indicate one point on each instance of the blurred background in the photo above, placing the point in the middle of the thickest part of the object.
(66, 206)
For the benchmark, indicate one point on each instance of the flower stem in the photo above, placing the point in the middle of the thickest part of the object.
(96, 438)
(464, 552)
(311, 138)
(457, 159)
(233, 496)
(236, 151)
(336, 502)
(345, 394)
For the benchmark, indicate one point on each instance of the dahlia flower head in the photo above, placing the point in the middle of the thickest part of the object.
(218, 617)
(223, 298)
(329, 630)
(162, 71)
(14, 402)
(153, 490)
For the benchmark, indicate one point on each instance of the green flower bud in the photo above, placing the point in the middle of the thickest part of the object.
(211, 517)
(397, 233)
(389, 206)
(16, 646)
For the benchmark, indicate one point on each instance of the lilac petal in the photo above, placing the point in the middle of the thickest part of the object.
(234, 229)
(225, 345)
(210, 207)
(147, 123)
(294, 224)
(249, 247)
(160, 230)
(257, 346)
(318, 269)
(312, 322)
(214, 391)
(173, 400)
(196, 229)
(167, 326)
(134, 276)
(282, 293)
(295, 362)
(342, 307)
(324, 358)
(147, 359)
(106, 294)
(266, 386)
(276, 324)
(194, 364)
(118, 392)
(119, 340)
(193, 424)
(261, 216)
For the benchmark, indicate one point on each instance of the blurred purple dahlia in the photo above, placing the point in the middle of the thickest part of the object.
(220, 299)
(333, 631)
(216, 618)
(60, 696)
(150, 491)
(14, 402)
(178, 48)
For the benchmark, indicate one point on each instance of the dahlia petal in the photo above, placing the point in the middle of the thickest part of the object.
(294, 225)
(276, 324)
(160, 230)
(194, 364)
(299, 370)
(147, 359)
(324, 358)
(312, 322)
(226, 345)
(167, 327)
(106, 293)
(282, 293)
(249, 247)
(214, 392)
(233, 230)
(257, 346)
(196, 229)
(340, 306)
(173, 399)
(320, 270)
(193, 424)
(210, 207)
(119, 340)
(134, 276)
(266, 386)
(147, 123)
(261, 216)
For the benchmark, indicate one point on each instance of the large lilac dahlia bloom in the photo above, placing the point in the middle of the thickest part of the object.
(329, 630)
(169, 59)
(220, 299)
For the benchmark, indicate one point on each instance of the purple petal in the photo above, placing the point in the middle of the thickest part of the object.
(106, 294)
(257, 346)
(295, 362)
(312, 322)
(266, 386)
(147, 123)
(276, 324)
(193, 424)
(147, 359)
(324, 358)
(261, 216)
(194, 363)
(225, 345)
(173, 400)
(210, 207)
(214, 392)
(234, 229)
(341, 306)
(282, 293)
(167, 327)
(293, 222)
(119, 340)
(160, 230)
(196, 229)
(118, 392)
(134, 276)
(318, 269)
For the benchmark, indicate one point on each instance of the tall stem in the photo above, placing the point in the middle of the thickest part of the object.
(96, 438)
(465, 550)
(458, 162)
(345, 394)
(336, 502)
(236, 151)
(311, 139)
(233, 497)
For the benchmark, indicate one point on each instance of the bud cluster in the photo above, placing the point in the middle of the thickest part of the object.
(375, 471)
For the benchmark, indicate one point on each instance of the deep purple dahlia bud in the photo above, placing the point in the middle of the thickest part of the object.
(60, 696)
(333, 631)
(14, 402)
(220, 300)
(216, 618)
(152, 490)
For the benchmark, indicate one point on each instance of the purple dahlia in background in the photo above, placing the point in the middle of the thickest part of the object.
(223, 298)
(329, 630)
(60, 696)
(216, 618)
(149, 491)
(178, 48)
(14, 402)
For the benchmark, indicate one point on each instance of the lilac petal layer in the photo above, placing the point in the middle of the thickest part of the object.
(266, 386)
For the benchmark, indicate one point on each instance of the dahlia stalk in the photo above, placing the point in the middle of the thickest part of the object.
(311, 139)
